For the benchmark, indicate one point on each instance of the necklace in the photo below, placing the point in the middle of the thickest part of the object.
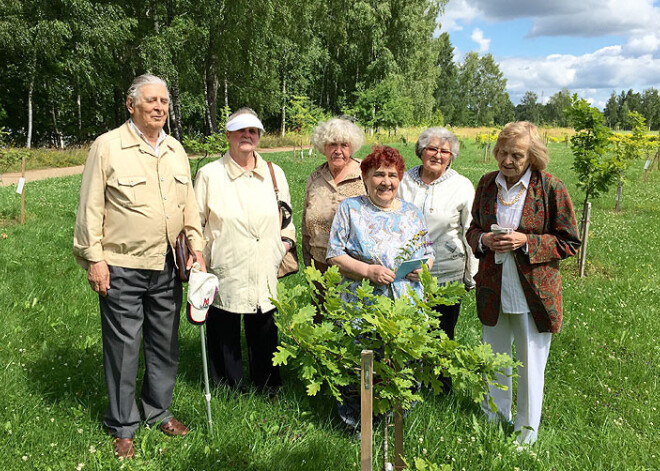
(392, 207)
(500, 198)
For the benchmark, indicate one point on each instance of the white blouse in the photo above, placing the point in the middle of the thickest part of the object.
(513, 297)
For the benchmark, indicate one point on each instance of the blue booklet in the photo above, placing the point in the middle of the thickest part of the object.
(410, 265)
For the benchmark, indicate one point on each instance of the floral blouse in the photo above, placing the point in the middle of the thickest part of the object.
(371, 235)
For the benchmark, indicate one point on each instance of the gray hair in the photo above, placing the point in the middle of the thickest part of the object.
(337, 130)
(443, 134)
(141, 81)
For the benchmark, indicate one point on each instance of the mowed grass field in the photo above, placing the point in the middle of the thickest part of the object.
(602, 392)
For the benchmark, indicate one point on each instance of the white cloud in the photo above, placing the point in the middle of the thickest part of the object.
(587, 18)
(478, 37)
(457, 13)
(632, 62)
(592, 76)
(646, 43)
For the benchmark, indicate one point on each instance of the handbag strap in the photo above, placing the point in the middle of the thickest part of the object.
(272, 176)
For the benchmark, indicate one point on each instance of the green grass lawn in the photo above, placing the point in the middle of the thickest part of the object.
(602, 392)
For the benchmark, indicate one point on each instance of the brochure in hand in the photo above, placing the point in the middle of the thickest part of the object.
(410, 265)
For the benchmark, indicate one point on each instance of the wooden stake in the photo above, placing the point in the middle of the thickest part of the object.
(398, 438)
(585, 237)
(23, 191)
(366, 410)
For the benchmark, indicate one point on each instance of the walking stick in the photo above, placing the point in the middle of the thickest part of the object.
(205, 367)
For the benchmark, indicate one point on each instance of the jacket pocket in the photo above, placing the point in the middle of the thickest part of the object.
(130, 189)
(181, 183)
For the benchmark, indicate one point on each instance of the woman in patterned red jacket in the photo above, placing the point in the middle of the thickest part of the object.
(522, 225)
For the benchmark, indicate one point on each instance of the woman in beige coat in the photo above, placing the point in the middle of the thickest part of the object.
(240, 219)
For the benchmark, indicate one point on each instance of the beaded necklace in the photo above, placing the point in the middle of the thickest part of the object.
(500, 198)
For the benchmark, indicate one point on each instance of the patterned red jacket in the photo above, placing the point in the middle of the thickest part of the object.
(548, 220)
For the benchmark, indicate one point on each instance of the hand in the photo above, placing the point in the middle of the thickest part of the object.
(98, 276)
(414, 275)
(200, 260)
(501, 243)
(287, 245)
(380, 275)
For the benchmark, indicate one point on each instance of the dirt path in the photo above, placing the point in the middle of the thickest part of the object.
(11, 178)
(39, 174)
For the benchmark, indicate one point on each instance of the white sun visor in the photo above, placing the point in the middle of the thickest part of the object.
(245, 120)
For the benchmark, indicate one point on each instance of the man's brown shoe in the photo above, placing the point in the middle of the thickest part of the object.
(123, 448)
(174, 428)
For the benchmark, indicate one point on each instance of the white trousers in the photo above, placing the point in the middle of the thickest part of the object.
(532, 349)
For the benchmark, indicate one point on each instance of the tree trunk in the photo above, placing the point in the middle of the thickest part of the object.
(29, 133)
(119, 104)
(283, 107)
(212, 83)
(33, 72)
(79, 116)
(58, 133)
(175, 104)
(584, 211)
(226, 83)
(619, 191)
(208, 126)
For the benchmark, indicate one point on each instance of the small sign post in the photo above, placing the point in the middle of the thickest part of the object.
(22, 185)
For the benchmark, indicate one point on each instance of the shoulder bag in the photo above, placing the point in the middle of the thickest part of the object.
(289, 265)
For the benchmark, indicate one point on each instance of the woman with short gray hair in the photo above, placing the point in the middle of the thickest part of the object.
(445, 198)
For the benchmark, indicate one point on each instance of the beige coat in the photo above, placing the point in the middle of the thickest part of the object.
(133, 204)
(240, 220)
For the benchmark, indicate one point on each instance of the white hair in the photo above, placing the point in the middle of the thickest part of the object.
(337, 130)
(142, 80)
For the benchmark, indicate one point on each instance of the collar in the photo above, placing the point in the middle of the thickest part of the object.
(161, 136)
(129, 137)
(416, 174)
(524, 180)
(234, 170)
(327, 174)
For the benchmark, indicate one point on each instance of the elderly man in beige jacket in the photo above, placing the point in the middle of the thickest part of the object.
(135, 198)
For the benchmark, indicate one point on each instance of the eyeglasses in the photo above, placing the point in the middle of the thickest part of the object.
(436, 150)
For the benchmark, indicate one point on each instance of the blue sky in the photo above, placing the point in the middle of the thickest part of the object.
(590, 47)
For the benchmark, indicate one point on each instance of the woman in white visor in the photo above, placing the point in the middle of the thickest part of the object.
(245, 246)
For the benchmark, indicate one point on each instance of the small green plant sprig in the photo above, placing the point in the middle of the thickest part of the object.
(405, 334)
(418, 241)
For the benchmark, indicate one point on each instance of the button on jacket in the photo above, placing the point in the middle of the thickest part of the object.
(241, 223)
(133, 203)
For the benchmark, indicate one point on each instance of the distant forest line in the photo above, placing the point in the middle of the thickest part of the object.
(68, 64)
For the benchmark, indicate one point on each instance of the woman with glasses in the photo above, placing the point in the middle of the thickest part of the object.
(445, 198)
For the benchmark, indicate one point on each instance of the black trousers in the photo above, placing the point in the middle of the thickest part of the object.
(448, 320)
(223, 330)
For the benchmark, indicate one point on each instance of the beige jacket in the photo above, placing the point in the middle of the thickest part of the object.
(133, 204)
(241, 223)
(322, 196)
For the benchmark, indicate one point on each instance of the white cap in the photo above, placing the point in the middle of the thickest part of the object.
(202, 288)
(244, 120)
